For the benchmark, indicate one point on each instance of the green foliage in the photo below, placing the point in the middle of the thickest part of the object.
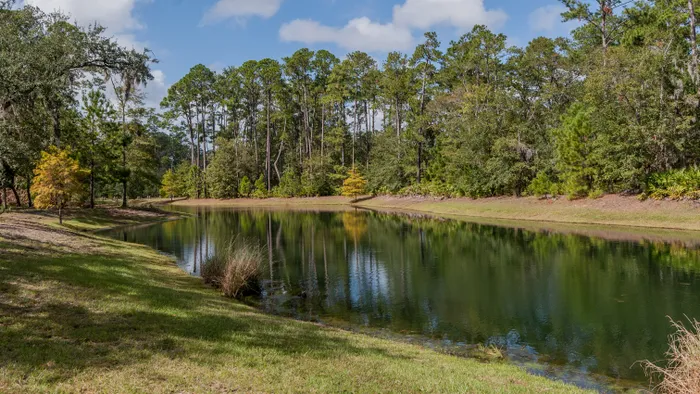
(574, 142)
(315, 178)
(260, 188)
(596, 114)
(429, 189)
(289, 185)
(168, 185)
(675, 184)
(245, 188)
(543, 186)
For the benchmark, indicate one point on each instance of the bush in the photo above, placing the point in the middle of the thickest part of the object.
(245, 188)
(543, 186)
(235, 269)
(289, 184)
(675, 184)
(260, 188)
(682, 372)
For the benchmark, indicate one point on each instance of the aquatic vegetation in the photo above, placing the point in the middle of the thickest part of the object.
(234, 269)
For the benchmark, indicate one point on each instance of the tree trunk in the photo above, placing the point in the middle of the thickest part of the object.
(279, 154)
(354, 134)
(92, 184)
(30, 204)
(199, 167)
(14, 192)
(4, 198)
(604, 28)
(268, 147)
(420, 152)
(57, 127)
(693, 42)
(124, 180)
(204, 151)
(420, 129)
(367, 117)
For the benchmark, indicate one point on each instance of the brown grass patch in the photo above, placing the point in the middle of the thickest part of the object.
(682, 372)
(235, 269)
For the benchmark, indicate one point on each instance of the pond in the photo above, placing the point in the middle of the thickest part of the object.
(587, 305)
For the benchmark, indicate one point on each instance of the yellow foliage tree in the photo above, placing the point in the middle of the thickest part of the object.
(354, 185)
(169, 187)
(58, 181)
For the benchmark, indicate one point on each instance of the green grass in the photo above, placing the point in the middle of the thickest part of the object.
(82, 313)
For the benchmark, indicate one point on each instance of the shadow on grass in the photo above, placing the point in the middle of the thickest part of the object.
(61, 315)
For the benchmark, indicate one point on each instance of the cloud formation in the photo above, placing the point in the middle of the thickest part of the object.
(117, 16)
(226, 9)
(547, 18)
(462, 14)
(371, 36)
(359, 34)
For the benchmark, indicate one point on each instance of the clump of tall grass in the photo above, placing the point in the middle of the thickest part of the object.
(234, 269)
(682, 372)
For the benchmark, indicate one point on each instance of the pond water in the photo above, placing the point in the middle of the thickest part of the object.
(589, 305)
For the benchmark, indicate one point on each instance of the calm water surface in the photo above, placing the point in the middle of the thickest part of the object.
(591, 305)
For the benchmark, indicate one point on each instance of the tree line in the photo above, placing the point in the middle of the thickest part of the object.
(73, 89)
(612, 109)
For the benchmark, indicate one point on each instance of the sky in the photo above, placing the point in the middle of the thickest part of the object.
(221, 33)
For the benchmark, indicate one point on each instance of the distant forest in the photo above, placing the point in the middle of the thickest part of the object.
(612, 109)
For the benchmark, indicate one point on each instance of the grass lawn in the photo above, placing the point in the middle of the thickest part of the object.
(79, 313)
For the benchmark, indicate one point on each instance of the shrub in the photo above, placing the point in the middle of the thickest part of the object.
(260, 188)
(235, 269)
(674, 184)
(682, 373)
(245, 188)
(595, 194)
(289, 184)
(543, 186)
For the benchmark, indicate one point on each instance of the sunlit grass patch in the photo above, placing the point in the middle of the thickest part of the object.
(107, 316)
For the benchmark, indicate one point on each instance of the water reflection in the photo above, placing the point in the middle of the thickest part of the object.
(591, 304)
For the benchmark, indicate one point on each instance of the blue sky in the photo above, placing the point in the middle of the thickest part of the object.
(219, 33)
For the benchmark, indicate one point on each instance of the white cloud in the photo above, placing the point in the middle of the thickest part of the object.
(225, 9)
(547, 18)
(367, 35)
(156, 89)
(462, 14)
(116, 15)
(359, 34)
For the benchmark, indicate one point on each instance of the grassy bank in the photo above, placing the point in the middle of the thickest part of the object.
(82, 313)
(608, 210)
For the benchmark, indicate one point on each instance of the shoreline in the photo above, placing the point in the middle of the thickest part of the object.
(611, 217)
(103, 312)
